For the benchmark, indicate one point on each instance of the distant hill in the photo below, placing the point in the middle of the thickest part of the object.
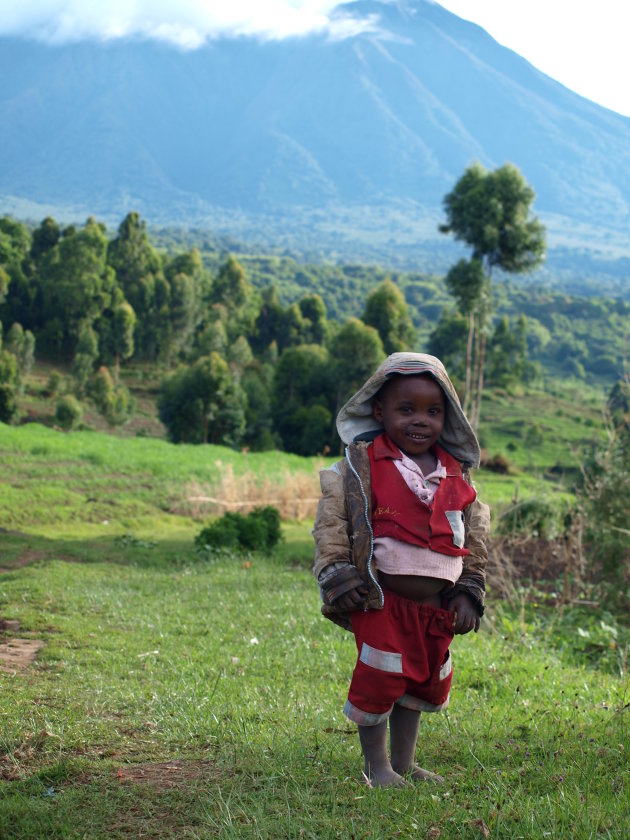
(343, 145)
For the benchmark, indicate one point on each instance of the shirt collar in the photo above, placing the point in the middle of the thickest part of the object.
(385, 448)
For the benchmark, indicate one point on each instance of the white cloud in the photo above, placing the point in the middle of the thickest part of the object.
(187, 23)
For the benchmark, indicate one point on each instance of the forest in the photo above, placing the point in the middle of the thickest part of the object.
(260, 352)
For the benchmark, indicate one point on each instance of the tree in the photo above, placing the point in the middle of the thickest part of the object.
(111, 398)
(68, 412)
(490, 212)
(84, 358)
(239, 356)
(302, 388)
(230, 286)
(357, 351)
(304, 322)
(386, 310)
(187, 280)
(266, 324)
(508, 352)
(466, 282)
(213, 338)
(124, 324)
(76, 284)
(314, 319)
(15, 280)
(9, 381)
(44, 239)
(448, 343)
(257, 383)
(203, 403)
(21, 343)
(138, 269)
(231, 290)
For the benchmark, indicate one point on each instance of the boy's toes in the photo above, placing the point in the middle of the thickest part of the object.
(418, 774)
(385, 780)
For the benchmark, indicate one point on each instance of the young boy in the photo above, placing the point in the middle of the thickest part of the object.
(400, 552)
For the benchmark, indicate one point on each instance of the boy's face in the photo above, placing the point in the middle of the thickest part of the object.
(412, 411)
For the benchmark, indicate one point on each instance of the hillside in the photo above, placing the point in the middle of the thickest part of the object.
(345, 145)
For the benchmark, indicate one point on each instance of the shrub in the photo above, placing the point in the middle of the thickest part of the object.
(497, 464)
(533, 517)
(53, 385)
(605, 499)
(255, 531)
(69, 412)
(112, 401)
(534, 435)
(9, 380)
(8, 403)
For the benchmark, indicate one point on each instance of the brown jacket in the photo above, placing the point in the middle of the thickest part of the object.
(343, 532)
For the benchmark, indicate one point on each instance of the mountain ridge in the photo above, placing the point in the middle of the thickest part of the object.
(355, 141)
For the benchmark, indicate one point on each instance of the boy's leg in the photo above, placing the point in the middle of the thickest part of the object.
(403, 737)
(378, 768)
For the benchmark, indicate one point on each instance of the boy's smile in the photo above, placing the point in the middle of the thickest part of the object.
(411, 408)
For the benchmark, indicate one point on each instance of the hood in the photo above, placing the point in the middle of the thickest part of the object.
(355, 419)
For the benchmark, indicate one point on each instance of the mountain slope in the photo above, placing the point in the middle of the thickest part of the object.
(381, 123)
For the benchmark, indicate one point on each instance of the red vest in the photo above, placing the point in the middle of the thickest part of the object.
(397, 512)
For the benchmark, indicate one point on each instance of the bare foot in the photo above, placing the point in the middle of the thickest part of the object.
(385, 779)
(419, 775)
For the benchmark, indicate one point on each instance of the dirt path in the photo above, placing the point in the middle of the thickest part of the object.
(17, 654)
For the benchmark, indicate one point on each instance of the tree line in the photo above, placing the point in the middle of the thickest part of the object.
(240, 367)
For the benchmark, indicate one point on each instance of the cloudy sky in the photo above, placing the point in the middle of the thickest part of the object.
(581, 44)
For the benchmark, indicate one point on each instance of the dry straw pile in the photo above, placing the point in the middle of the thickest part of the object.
(295, 495)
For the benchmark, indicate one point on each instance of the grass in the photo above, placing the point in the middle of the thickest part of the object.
(189, 697)
(227, 667)
(84, 481)
(94, 483)
(542, 430)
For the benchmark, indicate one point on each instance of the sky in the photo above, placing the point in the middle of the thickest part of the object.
(580, 43)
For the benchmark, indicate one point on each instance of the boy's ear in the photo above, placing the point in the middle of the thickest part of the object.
(377, 410)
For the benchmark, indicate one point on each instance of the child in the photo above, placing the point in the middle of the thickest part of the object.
(400, 552)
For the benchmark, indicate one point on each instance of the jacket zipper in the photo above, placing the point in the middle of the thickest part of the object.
(369, 525)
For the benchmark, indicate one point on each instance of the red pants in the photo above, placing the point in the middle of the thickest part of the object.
(403, 658)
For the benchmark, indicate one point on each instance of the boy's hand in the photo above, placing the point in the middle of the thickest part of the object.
(466, 616)
(352, 600)
(344, 589)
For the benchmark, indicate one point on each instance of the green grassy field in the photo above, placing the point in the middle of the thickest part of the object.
(176, 698)
(184, 696)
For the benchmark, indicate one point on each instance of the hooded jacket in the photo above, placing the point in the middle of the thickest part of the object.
(343, 525)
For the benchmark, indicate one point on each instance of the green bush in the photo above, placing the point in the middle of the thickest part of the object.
(536, 517)
(534, 435)
(604, 498)
(53, 385)
(69, 412)
(255, 531)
